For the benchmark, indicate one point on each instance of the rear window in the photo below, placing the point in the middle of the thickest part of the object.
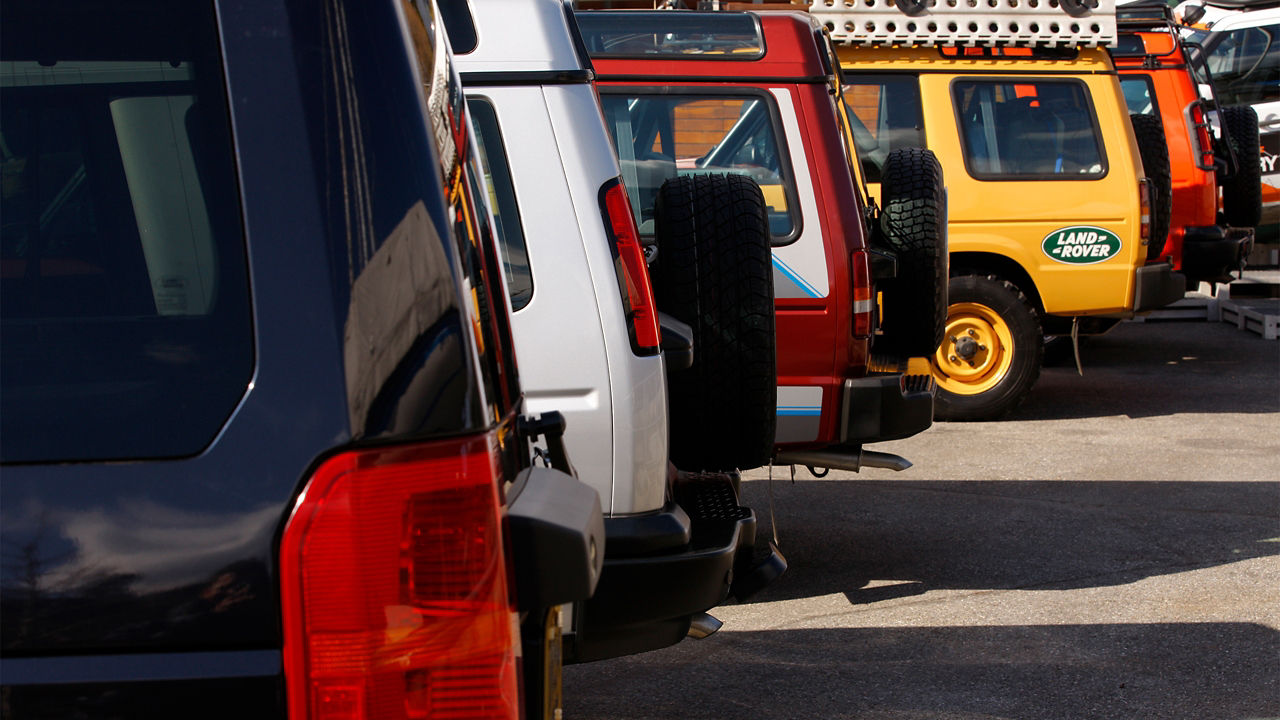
(1030, 129)
(688, 35)
(884, 115)
(125, 306)
(660, 136)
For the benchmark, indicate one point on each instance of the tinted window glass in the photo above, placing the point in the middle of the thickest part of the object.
(686, 34)
(663, 136)
(884, 115)
(502, 197)
(1246, 65)
(459, 25)
(126, 327)
(1042, 129)
(1137, 95)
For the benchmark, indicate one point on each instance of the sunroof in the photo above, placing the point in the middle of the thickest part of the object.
(719, 36)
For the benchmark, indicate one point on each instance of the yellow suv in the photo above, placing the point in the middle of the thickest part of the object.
(1049, 218)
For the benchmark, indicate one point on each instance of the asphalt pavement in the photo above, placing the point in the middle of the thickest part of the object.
(1110, 550)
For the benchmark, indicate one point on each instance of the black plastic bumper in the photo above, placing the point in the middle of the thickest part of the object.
(1157, 285)
(663, 569)
(885, 406)
(1211, 253)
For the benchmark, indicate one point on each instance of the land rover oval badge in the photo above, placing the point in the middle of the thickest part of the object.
(1081, 245)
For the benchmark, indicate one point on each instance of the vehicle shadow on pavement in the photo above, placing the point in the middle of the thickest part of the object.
(902, 606)
(1169, 671)
(916, 536)
(1158, 368)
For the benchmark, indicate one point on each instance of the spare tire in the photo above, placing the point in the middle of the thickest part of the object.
(714, 272)
(1153, 147)
(913, 225)
(1242, 189)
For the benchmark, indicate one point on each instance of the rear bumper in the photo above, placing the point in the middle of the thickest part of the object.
(1157, 285)
(885, 406)
(1211, 253)
(662, 569)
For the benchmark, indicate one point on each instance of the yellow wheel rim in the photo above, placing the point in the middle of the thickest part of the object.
(976, 352)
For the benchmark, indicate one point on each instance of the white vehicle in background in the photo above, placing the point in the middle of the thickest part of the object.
(588, 336)
(1241, 41)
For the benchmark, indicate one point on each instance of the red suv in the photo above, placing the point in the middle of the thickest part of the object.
(689, 94)
(1187, 165)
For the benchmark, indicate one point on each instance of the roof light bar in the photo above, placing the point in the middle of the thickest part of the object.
(1022, 23)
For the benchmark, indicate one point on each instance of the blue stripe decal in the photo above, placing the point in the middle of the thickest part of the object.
(793, 276)
(798, 410)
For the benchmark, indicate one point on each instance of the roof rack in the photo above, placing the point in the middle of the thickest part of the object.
(1019, 23)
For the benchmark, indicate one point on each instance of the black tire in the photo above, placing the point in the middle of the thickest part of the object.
(1242, 189)
(913, 225)
(990, 392)
(714, 271)
(1153, 147)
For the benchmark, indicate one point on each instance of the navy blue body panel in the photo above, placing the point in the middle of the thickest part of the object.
(169, 565)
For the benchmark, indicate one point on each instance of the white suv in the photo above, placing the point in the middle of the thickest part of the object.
(587, 333)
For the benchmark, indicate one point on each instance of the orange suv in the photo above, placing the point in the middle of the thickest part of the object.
(1172, 124)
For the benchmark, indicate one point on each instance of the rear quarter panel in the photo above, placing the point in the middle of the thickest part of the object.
(635, 386)
(1012, 218)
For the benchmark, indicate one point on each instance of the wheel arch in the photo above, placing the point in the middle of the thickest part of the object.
(984, 263)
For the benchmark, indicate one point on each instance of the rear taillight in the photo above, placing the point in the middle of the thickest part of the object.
(1201, 140)
(394, 587)
(632, 271)
(863, 295)
(1144, 210)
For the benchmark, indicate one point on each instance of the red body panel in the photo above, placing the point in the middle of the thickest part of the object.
(815, 343)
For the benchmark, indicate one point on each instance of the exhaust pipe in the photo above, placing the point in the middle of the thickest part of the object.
(853, 460)
(703, 626)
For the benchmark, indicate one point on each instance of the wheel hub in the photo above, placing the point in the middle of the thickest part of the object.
(966, 348)
(977, 351)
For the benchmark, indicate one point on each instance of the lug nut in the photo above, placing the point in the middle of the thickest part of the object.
(955, 359)
(973, 333)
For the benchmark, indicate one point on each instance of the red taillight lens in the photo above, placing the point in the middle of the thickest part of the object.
(1144, 209)
(863, 294)
(394, 587)
(632, 271)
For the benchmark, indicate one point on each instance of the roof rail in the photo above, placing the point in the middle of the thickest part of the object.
(1018, 23)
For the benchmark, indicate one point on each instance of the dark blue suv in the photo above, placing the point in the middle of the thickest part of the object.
(260, 419)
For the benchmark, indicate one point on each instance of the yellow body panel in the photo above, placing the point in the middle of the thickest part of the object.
(1012, 218)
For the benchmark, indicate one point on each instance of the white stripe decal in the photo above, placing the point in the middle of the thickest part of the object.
(795, 277)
